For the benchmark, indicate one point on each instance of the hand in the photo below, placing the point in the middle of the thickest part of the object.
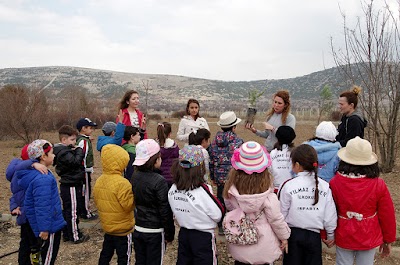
(44, 235)
(329, 243)
(385, 249)
(40, 167)
(284, 245)
(120, 116)
(143, 125)
(16, 211)
(268, 126)
(250, 127)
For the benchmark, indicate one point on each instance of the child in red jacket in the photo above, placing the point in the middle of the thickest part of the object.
(366, 217)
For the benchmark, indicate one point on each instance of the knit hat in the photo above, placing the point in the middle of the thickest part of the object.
(24, 152)
(358, 152)
(285, 134)
(109, 127)
(35, 149)
(228, 119)
(144, 150)
(327, 131)
(85, 122)
(190, 156)
(251, 157)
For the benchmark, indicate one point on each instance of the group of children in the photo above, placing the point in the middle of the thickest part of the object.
(287, 206)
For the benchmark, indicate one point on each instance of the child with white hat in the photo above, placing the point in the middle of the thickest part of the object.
(326, 146)
(364, 206)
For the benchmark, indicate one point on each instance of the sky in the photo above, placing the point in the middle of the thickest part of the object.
(238, 40)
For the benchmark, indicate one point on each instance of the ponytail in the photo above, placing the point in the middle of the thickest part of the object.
(316, 192)
(163, 131)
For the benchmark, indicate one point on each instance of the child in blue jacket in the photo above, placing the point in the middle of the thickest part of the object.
(42, 202)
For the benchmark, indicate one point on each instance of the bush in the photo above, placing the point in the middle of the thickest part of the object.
(156, 117)
(178, 114)
(336, 115)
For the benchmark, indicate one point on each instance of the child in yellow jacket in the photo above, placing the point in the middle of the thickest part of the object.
(114, 200)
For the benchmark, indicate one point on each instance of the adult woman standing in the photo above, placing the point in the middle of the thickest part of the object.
(132, 116)
(278, 115)
(192, 121)
(352, 123)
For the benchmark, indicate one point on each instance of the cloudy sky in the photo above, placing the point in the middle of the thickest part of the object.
(215, 39)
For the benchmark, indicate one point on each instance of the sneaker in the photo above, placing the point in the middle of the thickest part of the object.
(221, 231)
(82, 239)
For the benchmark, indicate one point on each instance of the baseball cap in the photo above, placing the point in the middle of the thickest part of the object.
(144, 150)
(109, 127)
(85, 122)
(35, 149)
(190, 156)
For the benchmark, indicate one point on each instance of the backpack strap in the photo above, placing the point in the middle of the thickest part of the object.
(215, 199)
(279, 192)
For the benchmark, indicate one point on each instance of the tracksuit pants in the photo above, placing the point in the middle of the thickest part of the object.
(220, 190)
(121, 244)
(71, 197)
(87, 192)
(304, 248)
(149, 247)
(196, 248)
(50, 248)
(27, 245)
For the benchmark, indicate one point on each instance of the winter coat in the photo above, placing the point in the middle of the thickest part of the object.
(69, 165)
(131, 149)
(18, 193)
(370, 198)
(350, 127)
(221, 151)
(328, 161)
(84, 142)
(189, 125)
(42, 202)
(113, 193)
(169, 152)
(102, 140)
(150, 191)
(127, 121)
(271, 226)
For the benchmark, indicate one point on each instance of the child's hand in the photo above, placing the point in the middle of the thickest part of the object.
(16, 211)
(120, 116)
(284, 245)
(329, 243)
(44, 235)
(385, 249)
(40, 167)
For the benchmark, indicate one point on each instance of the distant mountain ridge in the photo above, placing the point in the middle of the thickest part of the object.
(108, 85)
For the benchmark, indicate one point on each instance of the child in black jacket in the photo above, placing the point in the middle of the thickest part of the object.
(154, 222)
(69, 166)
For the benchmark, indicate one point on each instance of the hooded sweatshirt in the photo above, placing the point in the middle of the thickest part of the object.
(271, 226)
(351, 126)
(328, 160)
(113, 193)
(221, 151)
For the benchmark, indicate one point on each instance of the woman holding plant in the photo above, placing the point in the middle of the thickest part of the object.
(278, 115)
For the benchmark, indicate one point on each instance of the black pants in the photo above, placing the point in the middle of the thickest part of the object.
(71, 198)
(84, 206)
(220, 189)
(27, 244)
(121, 244)
(50, 248)
(196, 248)
(149, 248)
(304, 248)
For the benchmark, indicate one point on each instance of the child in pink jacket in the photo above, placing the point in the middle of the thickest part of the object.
(249, 187)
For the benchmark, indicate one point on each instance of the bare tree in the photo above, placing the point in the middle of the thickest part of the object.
(371, 58)
(23, 112)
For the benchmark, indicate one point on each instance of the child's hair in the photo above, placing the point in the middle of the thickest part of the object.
(163, 131)
(192, 100)
(254, 183)
(228, 129)
(66, 131)
(187, 178)
(149, 165)
(306, 156)
(370, 171)
(122, 104)
(129, 131)
(352, 95)
(196, 138)
(285, 135)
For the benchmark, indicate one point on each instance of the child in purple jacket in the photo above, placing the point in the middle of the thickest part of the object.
(169, 150)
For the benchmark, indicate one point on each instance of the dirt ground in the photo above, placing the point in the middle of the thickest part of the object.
(89, 251)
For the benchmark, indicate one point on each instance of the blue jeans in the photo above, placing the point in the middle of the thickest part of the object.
(347, 256)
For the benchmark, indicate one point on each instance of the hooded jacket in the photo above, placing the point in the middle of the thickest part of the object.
(113, 193)
(369, 197)
(189, 125)
(69, 165)
(221, 151)
(350, 127)
(169, 152)
(328, 160)
(271, 226)
(42, 202)
(102, 140)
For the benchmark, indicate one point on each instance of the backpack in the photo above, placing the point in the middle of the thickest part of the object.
(240, 229)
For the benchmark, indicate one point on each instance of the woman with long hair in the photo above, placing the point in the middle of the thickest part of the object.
(132, 116)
